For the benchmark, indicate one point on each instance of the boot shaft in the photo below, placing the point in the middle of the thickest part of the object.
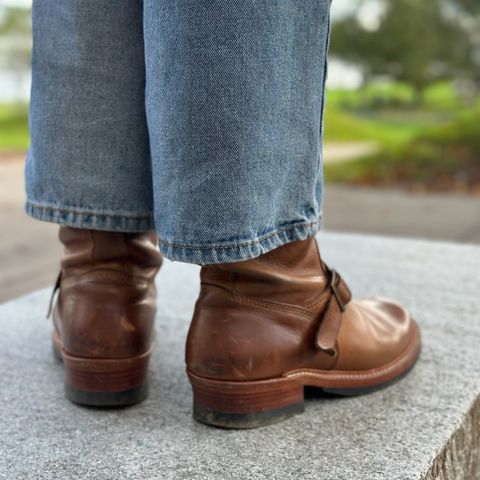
(132, 253)
(291, 274)
(107, 300)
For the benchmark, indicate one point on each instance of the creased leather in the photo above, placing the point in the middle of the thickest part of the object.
(106, 300)
(277, 313)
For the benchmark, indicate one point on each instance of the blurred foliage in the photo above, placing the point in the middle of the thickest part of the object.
(470, 6)
(421, 65)
(381, 112)
(444, 158)
(416, 41)
(342, 126)
(439, 97)
(14, 21)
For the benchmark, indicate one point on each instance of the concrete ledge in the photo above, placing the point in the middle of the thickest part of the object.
(425, 427)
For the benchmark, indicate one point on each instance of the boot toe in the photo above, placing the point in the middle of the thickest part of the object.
(374, 333)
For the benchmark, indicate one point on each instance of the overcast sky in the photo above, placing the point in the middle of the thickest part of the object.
(15, 3)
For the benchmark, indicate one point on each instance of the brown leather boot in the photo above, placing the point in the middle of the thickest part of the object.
(265, 328)
(103, 317)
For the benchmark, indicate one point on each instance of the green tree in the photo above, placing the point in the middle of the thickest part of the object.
(416, 41)
(470, 6)
(469, 11)
(14, 21)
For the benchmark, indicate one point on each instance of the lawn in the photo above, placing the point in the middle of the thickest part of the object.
(13, 128)
(443, 158)
(385, 127)
(340, 126)
(378, 113)
(386, 112)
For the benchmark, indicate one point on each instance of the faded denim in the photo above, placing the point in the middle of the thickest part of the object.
(201, 119)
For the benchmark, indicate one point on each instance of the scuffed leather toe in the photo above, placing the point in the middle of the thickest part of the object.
(374, 332)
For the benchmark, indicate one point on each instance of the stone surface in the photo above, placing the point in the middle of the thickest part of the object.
(427, 426)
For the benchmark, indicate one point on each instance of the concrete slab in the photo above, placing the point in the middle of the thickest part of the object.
(427, 426)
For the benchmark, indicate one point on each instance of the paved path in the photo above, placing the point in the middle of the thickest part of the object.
(29, 249)
(335, 152)
(452, 217)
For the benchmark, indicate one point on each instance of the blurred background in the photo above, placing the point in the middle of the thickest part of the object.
(402, 132)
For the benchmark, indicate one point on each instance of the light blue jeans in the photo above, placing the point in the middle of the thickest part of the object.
(201, 119)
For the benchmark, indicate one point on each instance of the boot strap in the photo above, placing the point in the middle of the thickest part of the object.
(340, 296)
(52, 296)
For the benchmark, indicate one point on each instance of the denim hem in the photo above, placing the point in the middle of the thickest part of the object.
(234, 252)
(95, 220)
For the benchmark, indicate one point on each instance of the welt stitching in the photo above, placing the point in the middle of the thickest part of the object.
(272, 305)
(236, 297)
(376, 371)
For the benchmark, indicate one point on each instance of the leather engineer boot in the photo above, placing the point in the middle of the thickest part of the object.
(104, 313)
(265, 328)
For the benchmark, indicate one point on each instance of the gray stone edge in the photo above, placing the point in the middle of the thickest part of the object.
(459, 458)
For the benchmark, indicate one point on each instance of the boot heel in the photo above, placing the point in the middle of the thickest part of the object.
(245, 404)
(106, 383)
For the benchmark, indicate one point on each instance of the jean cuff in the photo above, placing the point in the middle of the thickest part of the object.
(95, 220)
(238, 251)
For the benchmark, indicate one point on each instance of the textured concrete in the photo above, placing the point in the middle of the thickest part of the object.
(427, 426)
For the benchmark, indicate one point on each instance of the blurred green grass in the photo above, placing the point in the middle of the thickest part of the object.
(376, 113)
(385, 128)
(438, 97)
(340, 126)
(14, 135)
(432, 144)
(444, 158)
(386, 113)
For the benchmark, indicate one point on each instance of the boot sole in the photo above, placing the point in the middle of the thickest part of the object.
(253, 404)
(103, 382)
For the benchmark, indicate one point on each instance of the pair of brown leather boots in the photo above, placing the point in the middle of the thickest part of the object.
(262, 330)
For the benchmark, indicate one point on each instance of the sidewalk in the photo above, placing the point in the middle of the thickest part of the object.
(29, 250)
(450, 217)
